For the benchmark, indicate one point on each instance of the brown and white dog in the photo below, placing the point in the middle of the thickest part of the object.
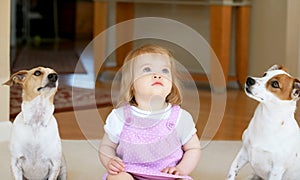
(271, 143)
(35, 144)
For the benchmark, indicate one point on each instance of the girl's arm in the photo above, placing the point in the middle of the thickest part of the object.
(189, 160)
(107, 155)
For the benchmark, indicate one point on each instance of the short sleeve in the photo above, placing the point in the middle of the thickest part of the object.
(114, 125)
(185, 126)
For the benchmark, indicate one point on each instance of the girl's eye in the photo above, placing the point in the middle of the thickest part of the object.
(37, 73)
(165, 71)
(147, 69)
(275, 84)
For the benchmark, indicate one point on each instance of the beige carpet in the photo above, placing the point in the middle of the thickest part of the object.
(83, 163)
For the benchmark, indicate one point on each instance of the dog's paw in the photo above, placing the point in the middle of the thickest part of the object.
(255, 177)
(230, 177)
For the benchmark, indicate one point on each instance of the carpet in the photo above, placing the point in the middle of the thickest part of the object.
(63, 61)
(64, 98)
(83, 162)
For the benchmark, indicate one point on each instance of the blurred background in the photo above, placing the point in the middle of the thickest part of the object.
(273, 34)
(56, 32)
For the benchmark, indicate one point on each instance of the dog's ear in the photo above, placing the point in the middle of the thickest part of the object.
(277, 67)
(17, 78)
(296, 89)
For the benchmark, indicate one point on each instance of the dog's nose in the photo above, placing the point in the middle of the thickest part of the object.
(53, 77)
(250, 81)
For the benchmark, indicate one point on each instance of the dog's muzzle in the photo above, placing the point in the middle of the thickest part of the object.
(249, 82)
(53, 77)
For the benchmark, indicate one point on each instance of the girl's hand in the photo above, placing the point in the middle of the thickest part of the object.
(172, 170)
(115, 166)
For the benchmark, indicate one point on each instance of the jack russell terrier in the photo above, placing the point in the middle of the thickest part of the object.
(271, 143)
(35, 144)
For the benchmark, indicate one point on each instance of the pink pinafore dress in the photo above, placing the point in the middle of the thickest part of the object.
(147, 146)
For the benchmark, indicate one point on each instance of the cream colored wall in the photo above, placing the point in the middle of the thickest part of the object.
(293, 37)
(194, 16)
(4, 58)
(274, 35)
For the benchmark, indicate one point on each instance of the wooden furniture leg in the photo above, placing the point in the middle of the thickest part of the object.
(242, 43)
(125, 11)
(99, 44)
(220, 28)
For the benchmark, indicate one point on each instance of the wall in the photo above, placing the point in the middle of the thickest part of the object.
(194, 16)
(4, 58)
(293, 37)
(274, 35)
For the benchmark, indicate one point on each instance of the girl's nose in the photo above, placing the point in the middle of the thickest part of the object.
(156, 76)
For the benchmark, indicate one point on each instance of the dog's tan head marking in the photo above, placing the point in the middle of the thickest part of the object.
(282, 86)
(35, 82)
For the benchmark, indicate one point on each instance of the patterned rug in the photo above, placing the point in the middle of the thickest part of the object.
(63, 100)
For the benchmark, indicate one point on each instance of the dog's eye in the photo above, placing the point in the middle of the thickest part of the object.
(275, 84)
(264, 74)
(37, 73)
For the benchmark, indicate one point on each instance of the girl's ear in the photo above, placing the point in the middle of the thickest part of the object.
(17, 78)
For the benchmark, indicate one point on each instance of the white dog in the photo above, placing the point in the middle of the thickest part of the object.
(271, 143)
(35, 146)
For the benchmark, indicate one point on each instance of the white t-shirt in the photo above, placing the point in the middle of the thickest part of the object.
(185, 126)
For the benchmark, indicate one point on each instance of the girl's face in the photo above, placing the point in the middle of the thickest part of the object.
(152, 77)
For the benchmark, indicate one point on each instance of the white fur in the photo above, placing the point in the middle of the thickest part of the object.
(271, 143)
(35, 146)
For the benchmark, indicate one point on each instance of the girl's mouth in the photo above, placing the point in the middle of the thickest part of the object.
(157, 83)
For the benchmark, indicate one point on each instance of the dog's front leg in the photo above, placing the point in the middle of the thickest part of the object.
(16, 168)
(240, 160)
(54, 170)
(63, 170)
(276, 173)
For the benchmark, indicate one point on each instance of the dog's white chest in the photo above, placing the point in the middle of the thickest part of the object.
(37, 111)
(35, 162)
(261, 160)
(36, 147)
